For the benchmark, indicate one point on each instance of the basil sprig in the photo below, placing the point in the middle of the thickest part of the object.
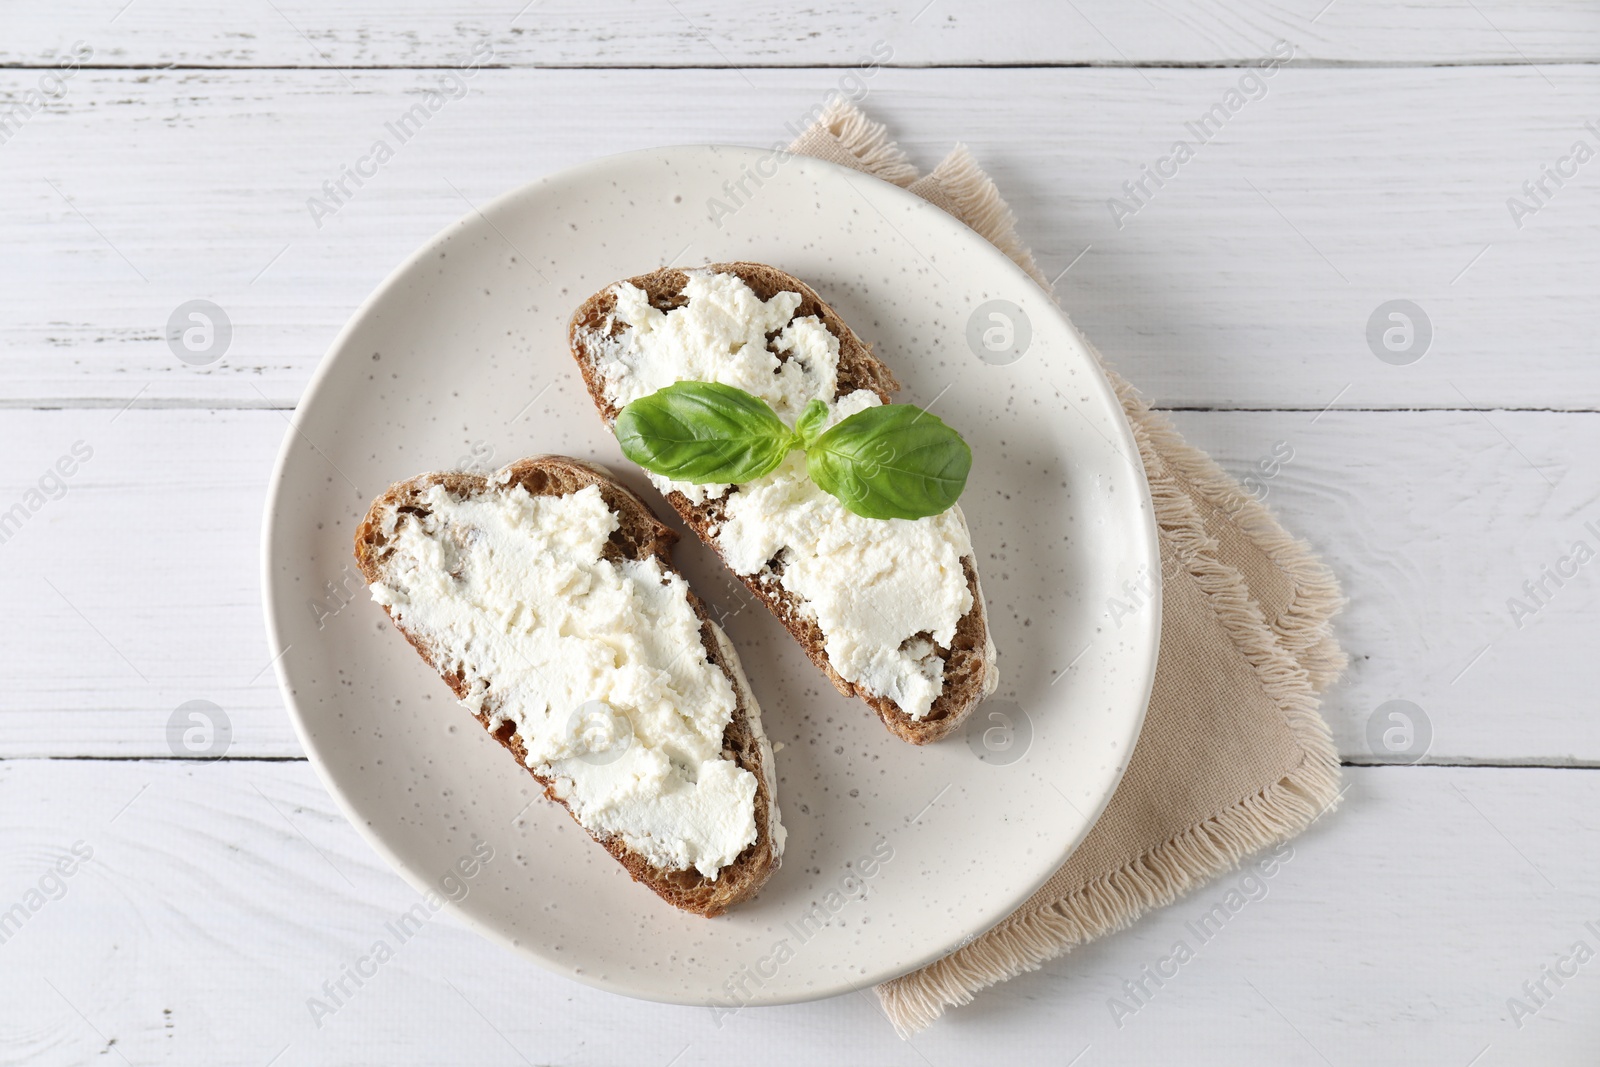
(894, 461)
(703, 432)
(891, 462)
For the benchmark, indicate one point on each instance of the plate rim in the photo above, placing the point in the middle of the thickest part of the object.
(1149, 622)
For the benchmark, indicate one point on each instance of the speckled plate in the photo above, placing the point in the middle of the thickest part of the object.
(896, 854)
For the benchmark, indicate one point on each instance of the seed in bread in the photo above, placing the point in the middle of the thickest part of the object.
(546, 597)
(890, 610)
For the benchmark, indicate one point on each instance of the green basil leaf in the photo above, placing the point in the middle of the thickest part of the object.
(891, 462)
(810, 422)
(703, 432)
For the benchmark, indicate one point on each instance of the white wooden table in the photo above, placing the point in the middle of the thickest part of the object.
(176, 163)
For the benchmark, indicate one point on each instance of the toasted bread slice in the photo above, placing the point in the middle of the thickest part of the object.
(970, 673)
(639, 535)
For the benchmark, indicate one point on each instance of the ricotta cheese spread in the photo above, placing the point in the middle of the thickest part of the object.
(884, 592)
(598, 663)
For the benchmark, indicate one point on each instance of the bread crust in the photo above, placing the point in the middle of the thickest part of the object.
(640, 535)
(970, 673)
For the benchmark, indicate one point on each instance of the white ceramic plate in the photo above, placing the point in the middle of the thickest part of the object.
(460, 359)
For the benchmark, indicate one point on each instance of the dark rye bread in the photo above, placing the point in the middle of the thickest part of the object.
(640, 535)
(969, 673)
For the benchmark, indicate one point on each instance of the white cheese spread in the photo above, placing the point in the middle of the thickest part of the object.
(598, 663)
(883, 591)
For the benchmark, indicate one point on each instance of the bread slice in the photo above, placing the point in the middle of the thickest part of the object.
(969, 673)
(639, 535)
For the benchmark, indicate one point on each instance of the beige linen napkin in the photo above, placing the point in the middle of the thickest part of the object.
(1233, 756)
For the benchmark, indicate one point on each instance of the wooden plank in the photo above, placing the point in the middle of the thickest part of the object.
(716, 33)
(1247, 281)
(138, 584)
(1434, 523)
(218, 899)
(1432, 520)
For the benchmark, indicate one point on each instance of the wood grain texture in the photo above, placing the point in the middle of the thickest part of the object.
(146, 608)
(715, 33)
(219, 899)
(1432, 521)
(1246, 281)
